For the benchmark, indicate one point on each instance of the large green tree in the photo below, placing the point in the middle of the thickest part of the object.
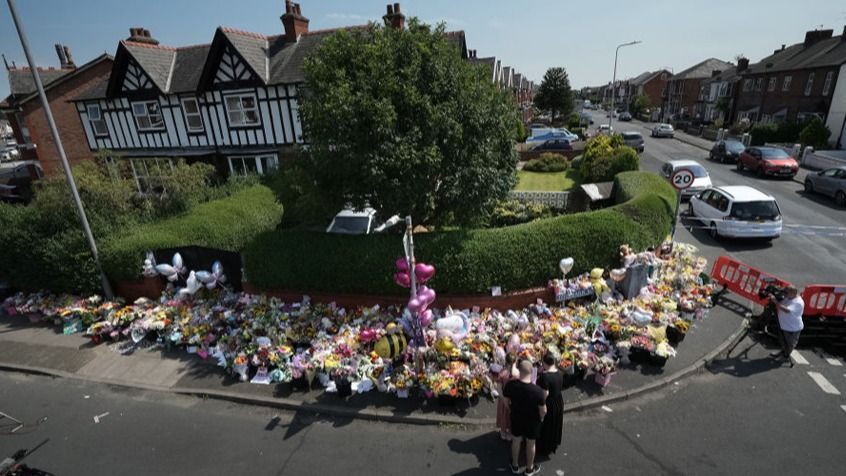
(398, 120)
(554, 94)
(640, 103)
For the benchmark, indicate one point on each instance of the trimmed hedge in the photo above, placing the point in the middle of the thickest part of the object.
(228, 223)
(468, 261)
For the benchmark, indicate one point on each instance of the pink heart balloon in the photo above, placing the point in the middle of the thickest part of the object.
(424, 272)
(426, 318)
(414, 304)
(401, 264)
(402, 279)
(426, 294)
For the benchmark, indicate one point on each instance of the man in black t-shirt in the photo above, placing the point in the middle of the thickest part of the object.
(527, 403)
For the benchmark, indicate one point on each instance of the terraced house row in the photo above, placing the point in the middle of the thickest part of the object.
(232, 102)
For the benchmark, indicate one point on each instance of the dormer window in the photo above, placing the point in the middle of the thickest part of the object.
(95, 118)
(242, 110)
(148, 116)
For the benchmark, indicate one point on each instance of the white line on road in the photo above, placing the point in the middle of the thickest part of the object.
(834, 362)
(843, 407)
(798, 358)
(823, 383)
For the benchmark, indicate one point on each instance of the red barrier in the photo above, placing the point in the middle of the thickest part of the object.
(825, 300)
(742, 279)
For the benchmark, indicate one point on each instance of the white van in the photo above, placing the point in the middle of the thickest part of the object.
(737, 211)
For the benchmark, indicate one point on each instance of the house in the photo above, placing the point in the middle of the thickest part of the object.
(721, 91)
(684, 95)
(26, 116)
(651, 84)
(796, 82)
(836, 120)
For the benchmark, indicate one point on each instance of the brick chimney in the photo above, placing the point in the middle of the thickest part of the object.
(60, 52)
(140, 35)
(294, 22)
(68, 58)
(815, 36)
(394, 17)
(843, 35)
(742, 64)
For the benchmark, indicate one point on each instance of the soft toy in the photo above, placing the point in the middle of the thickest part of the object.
(454, 324)
(599, 285)
(444, 345)
(627, 257)
(391, 345)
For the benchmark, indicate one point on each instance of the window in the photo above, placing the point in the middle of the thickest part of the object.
(193, 118)
(772, 84)
(827, 84)
(149, 174)
(242, 110)
(95, 118)
(765, 119)
(759, 84)
(785, 85)
(242, 166)
(809, 85)
(148, 116)
(747, 85)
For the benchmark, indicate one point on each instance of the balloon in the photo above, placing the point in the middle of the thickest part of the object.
(513, 346)
(401, 264)
(192, 285)
(414, 304)
(205, 277)
(499, 355)
(217, 270)
(565, 265)
(424, 272)
(402, 279)
(149, 269)
(455, 323)
(138, 334)
(426, 317)
(522, 321)
(391, 345)
(618, 274)
(177, 263)
(167, 271)
(426, 294)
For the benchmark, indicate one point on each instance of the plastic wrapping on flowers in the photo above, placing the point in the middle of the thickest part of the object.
(304, 341)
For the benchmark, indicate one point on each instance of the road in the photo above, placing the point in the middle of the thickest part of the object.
(798, 256)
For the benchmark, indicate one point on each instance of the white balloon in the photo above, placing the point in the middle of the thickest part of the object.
(138, 334)
(217, 269)
(167, 271)
(192, 285)
(205, 277)
(177, 263)
(565, 265)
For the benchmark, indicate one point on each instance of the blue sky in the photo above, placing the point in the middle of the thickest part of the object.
(529, 35)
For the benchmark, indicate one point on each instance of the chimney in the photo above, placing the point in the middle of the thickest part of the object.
(69, 58)
(394, 17)
(742, 64)
(843, 35)
(294, 22)
(140, 35)
(815, 36)
(60, 52)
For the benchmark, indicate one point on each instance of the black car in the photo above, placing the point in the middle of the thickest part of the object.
(727, 151)
(554, 145)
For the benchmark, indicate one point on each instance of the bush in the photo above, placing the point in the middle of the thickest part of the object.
(781, 133)
(293, 187)
(514, 212)
(468, 261)
(521, 133)
(548, 162)
(606, 156)
(573, 120)
(229, 224)
(815, 134)
(625, 159)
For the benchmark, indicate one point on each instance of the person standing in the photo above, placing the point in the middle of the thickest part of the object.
(503, 417)
(527, 403)
(552, 381)
(789, 311)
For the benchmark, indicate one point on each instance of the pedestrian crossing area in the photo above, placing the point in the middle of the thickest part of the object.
(822, 368)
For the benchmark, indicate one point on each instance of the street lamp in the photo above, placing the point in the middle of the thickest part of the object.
(614, 80)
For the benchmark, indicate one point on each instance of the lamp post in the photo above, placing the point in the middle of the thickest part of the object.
(614, 80)
(107, 289)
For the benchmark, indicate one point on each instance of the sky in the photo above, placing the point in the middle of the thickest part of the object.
(530, 35)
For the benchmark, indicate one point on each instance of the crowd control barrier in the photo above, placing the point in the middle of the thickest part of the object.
(742, 279)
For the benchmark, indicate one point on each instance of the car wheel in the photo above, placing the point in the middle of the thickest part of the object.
(760, 172)
(739, 166)
(840, 199)
(712, 232)
(809, 187)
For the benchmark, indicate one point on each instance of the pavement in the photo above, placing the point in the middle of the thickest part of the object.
(41, 349)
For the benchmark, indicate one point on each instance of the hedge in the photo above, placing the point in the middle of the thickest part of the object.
(229, 224)
(467, 261)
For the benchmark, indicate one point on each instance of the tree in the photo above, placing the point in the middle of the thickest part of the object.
(815, 134)
(640, 104)
(554, 94)
(397, 120)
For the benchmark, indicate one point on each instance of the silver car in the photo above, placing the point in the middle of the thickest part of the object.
(663, 130)
(633, 140)
(831, 182)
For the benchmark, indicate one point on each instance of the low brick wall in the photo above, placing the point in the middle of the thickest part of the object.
(131, 290)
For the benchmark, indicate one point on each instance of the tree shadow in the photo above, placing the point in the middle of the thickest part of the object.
(493, 455)
(820, 199)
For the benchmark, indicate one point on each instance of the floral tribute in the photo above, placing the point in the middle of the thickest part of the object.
(262, 339)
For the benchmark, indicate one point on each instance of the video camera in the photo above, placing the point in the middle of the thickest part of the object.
(771, 289)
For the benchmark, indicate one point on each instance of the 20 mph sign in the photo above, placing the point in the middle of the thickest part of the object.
(682, 179)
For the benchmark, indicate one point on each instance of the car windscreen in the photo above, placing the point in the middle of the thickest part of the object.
(698, 170)
(760, 210)
(734, 146)
(631, 136)
(351, 225)
(769, 153)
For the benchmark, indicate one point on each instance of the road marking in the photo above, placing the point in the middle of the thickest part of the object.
(798, 358)
(834, 362)
(823, 383)
(843, 407)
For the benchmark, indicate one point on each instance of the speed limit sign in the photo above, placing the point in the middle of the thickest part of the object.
(682, 179)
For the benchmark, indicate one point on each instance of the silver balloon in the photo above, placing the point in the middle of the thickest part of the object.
(566, 264)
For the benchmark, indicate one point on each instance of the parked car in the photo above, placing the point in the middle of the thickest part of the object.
(633, 140)
(604, 129)
(625, 116)
(831, 182)
(550, 134)
(554, 145)
(737, 211)
(701, 179)
(16, 180)
(727, 151)
(353, 222)
(8, 154)
(663, 130)
(766, 161)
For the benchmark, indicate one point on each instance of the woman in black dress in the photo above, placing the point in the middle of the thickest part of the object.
(552, 381)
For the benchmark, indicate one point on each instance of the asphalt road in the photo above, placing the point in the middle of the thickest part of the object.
(798, 256)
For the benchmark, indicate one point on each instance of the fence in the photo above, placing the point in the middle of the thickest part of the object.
(557, 200)
(825, 300)
(742, 279)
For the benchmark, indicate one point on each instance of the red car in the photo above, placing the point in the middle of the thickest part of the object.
(766, 161)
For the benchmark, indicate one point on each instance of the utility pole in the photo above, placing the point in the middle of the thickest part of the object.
(107, 288)
(614, 80)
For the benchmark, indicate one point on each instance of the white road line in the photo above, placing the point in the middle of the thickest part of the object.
(823, 383)
(798, 358)
(834, 362)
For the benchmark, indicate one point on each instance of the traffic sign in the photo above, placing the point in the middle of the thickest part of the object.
(682, 179)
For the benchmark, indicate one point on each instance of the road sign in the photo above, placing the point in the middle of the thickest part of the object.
(682, 179)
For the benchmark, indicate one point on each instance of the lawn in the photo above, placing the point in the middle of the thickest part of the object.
(547, 182)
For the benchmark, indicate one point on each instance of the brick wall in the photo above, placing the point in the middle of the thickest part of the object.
(67, 121)
(795, 100)
(653, 88)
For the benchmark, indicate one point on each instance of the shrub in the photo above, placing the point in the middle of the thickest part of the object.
(548, 162)
(514, 212)
(783, 132)
(573, 120)
(293, 187)
(815, 134)
(605, 156)
(229, 224)
(521, 133)
(468, 261)
(625, 159)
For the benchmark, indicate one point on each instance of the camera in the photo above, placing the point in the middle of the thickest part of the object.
(771, 289)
